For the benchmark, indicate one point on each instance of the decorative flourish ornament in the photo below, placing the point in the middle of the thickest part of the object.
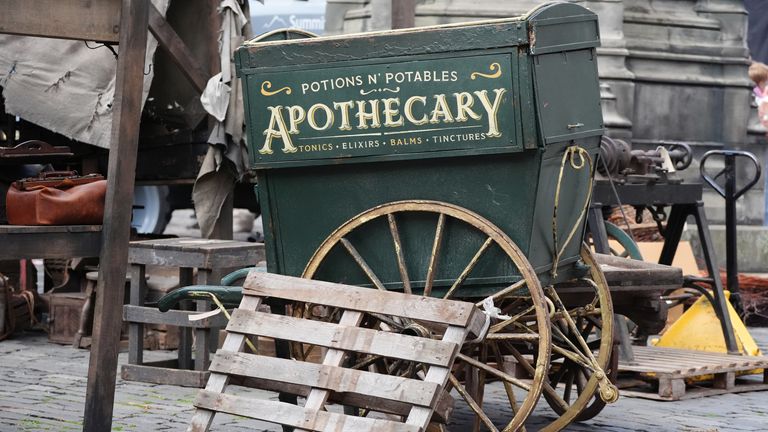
(266, 85)
(495, 68)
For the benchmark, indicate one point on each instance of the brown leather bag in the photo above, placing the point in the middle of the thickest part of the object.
(57, 198)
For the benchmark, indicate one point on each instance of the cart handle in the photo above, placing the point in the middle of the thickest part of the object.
(730, 159)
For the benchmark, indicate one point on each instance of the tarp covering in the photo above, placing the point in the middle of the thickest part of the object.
(64, 85)
(227, 157)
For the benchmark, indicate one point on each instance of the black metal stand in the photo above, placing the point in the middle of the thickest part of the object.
(685, 200)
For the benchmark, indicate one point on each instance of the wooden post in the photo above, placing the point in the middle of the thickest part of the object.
(126, 116)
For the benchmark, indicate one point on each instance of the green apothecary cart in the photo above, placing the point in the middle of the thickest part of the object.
(451, 161)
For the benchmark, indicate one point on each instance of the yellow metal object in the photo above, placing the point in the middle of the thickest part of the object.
(699, 329)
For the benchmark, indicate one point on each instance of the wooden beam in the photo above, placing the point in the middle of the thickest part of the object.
(180, 54)
(107, 322)
(65, 19)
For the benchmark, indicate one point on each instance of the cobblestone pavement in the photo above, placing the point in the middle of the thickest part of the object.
(42, 388)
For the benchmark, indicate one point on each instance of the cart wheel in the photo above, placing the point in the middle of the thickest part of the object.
(583, 359)
(520, 341)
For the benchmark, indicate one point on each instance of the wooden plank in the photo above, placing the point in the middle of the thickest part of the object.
(698, 392)
(317, 398)
(338, 336)
(124, 138)
(294, 416)
(199, 259)
(420, 416)
(47, 229)
(217, 382)
(66, 19)
(58, 244)
(361, 299)
(442, 413)
(177, 50)
(151, 315)
(167, 376)
(337, 379)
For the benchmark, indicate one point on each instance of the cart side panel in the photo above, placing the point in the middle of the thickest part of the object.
(567, 98)
(305, 210)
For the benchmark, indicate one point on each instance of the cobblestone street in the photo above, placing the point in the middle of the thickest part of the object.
(43, 389)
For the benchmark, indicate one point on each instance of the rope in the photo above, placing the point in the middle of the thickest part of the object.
(221, 309)
(583, 160)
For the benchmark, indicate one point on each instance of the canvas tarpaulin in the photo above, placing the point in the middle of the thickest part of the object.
(66, 86)
(227, 157)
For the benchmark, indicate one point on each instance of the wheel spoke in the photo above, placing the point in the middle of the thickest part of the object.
(499, 326)
(399, 252)
(505, 291)
(499, 374)
(468, 268)
(436, 246)
(514, 337)
(568, 386)
(472, 404)
(363, 265)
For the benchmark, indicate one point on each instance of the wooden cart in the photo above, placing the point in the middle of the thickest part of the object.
(452, 162)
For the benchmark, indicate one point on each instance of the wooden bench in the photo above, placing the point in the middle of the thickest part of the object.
(414, 399)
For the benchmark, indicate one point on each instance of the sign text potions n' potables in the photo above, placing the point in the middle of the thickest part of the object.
(379, 109)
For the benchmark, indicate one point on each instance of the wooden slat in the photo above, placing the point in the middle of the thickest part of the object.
(177, 50)
(66, 19)
(217, 382)
(151, 315)
(343, 337)
(420, 416)
(317, 397)
(442, 413)
(359, 299)
(294, 416)
(332, 378)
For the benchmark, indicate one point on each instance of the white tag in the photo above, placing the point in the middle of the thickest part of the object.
(492, 311)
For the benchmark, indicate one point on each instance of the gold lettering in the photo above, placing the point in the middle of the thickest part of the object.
(390, 112)
(464, 103)
(313, 120)
(408, 110)
(277, 120)
(344, 108)
(363, 116)
(296, 116)
(441, 110)
(492, 109)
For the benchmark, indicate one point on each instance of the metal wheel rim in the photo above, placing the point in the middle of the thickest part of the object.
(502, 240)
(582, 403)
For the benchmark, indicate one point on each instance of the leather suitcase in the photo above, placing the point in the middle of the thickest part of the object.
(57, 198)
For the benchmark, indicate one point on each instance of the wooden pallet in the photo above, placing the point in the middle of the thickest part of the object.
(414, 399)
(670, 374)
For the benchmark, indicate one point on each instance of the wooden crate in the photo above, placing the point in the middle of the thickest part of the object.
(669, 374)
(415, 400)
(64, 316)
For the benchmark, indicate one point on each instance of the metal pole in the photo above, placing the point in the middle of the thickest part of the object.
(731, 265)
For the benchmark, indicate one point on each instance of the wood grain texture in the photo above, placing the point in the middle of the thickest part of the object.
(113, 259)
(295, 416)
(338, 336)
(337, 379)
(361, 299)
(180, 54)
(64, 19)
